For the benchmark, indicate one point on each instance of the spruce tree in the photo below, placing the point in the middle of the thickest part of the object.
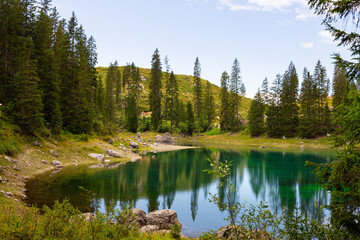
(265, 90)
(190, 119)
(155, 90)
(235, 87)
(209, 106)
(322, 85)
(132, 110)
(256, 115)
(173, 99)
(46, 68)
(340, 86)
(288, 97)
(197, 89)
(28, 103)
(224, 107)
(273, 112)
(110, 82)
(307, 122)
(167, 76)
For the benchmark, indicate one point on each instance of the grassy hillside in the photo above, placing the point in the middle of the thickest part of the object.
(185, 90)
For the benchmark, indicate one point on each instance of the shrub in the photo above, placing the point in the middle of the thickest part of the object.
(164, 127)
(214, 131)
(183, 127)
(145, 124)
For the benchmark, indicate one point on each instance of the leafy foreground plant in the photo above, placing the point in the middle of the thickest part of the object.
(258, 222)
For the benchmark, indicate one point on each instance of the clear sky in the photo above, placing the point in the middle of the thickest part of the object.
(265, 35)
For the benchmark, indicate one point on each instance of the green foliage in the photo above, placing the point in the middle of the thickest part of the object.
(145, 124)
(155, 90)
(197, 89)
(183, 127)
(190, 119)
(175, 231)
(214, 131)
(256, 116)
(225, 108)
(165, 126)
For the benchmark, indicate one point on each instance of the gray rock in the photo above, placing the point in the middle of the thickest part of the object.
(113, 153)
(2, 191)
(140, 217)
(16, 168)
(153, 157)
(10, 194)
(110, 141)
(36, 144)
(97, 156)
(57, 164)
(301, 142)
(164, 219)
(44, 162)
(88, 216)
(138, 134)
(149, 228)
(106, 161)
(7, 158)
(54, 153)
(134, 144)
(39, 151)
(15, 161)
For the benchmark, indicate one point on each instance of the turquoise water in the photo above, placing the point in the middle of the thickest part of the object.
(177, 180)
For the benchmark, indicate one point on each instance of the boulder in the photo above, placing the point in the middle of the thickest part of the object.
(149, 228)
(134, 144)
(44, 162)
(164, 219)
(140, 217)
(54, 153)
(57, 164)
(97, 156)
(165, 139)
(89, 216)
(36, 144)
(113, 153)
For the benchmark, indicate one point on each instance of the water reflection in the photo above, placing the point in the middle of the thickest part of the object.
(176, 180)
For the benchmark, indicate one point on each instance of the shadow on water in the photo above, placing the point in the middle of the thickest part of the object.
(176, 180)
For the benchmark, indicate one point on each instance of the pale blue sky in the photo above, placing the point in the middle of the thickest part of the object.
(265, 35)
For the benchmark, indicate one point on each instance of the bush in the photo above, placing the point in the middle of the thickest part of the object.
(164, 127)
(214, 131)
(183, 127)
(145, 124)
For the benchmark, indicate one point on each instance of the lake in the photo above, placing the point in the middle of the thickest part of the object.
(177, 180)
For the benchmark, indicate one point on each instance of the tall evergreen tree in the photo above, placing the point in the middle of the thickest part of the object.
(197, 89)
(172, 99)
(155, 90)
(265, 90)
(28, 103)
(224, 98)
(190, 118)
(132, 110)
(110, 83)
(235, 87)
(307, 121)
(340, 86)
(322, 85)
(167, 76)
(273, 112)
(256, 116)
(288, 98)
(209, 106)
(46, 68)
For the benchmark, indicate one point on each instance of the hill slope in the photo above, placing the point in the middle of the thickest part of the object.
(186, 92)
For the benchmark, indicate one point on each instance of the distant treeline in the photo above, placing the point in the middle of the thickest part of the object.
(281, 111)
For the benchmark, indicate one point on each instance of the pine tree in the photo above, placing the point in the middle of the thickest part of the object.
(273, 112)
(265, 90)
(173, 99)
(307, 122)
(322, 86)
(110, 83)
(256, 115)
(46, 68)
(155, 90)
(209, 107)
(167, 76)
(197, 89)
(28, 103)
(190, 119)
(224, 98)
(340, 86)
(132, 109)
(235, 87)
(288, 97)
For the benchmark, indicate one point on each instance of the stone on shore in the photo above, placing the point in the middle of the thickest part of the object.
(164, 219)
(113, 153)
(97, 156)
(57, 164)
(165, 139)
(134, 144)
